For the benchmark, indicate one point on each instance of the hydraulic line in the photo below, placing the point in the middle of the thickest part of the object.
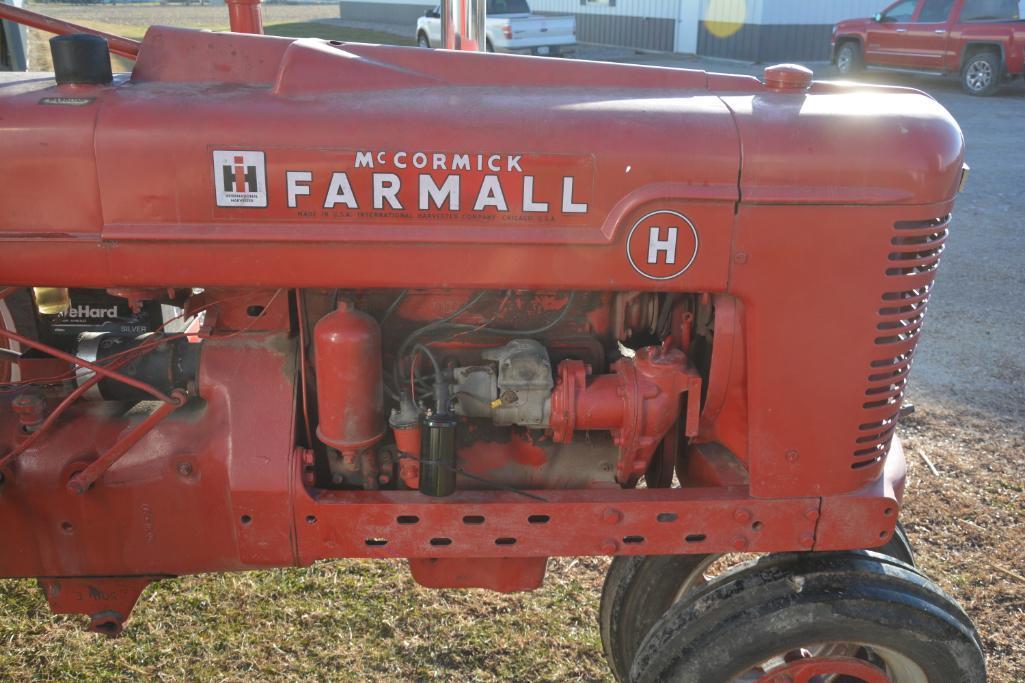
(81, 482)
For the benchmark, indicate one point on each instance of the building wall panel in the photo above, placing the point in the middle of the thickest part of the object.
(769, 43)
(655, 9)
(821, 12)
(384, 11)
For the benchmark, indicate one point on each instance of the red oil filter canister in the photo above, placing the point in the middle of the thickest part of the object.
(350, 393)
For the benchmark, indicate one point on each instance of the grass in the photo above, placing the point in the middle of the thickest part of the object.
(342, 620)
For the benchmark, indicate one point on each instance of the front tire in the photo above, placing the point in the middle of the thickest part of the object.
(849, 59)
(422, 40)
(981, 74)
(639, 589)
(847, 616)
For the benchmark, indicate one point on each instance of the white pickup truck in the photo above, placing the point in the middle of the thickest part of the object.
(511, 27)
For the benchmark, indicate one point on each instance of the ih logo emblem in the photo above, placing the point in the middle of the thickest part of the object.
(240, 179)
(662, 245)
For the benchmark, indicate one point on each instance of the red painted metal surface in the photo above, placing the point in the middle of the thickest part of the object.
(821, 668)
(350, 392)
(637, 404)
(506, 575)
(81, 481)
(579, 522)
(106, 601)
(766, 251)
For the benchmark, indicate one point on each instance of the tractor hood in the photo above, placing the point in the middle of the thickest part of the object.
(221, 138)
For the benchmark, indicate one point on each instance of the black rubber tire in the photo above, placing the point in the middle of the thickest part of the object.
(488, 46)
(783, 603)
(422, 40)
(849, 59)
(639, 589)
(981, 62)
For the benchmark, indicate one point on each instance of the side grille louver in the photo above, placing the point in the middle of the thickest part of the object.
(911, 268)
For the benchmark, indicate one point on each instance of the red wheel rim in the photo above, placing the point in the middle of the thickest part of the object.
(805, 670)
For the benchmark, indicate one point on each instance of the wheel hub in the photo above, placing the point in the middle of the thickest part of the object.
(815, 669)
(979, 76)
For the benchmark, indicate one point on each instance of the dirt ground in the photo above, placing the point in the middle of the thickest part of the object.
(357, 620)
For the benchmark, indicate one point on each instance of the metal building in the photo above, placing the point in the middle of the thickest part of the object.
(749, 30)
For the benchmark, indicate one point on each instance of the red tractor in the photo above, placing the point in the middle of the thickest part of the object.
(270, 301)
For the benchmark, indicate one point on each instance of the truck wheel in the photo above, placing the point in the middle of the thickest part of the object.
(848, 59)
(422, 40)
(639, 589)
(488, 46)
(981, 74)
(853, 616)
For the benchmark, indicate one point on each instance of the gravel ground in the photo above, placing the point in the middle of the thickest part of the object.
(357, 621)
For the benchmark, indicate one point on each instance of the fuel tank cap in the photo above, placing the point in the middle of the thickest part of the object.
(788, 77)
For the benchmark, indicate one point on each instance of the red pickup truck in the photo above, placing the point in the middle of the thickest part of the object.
(983, 41)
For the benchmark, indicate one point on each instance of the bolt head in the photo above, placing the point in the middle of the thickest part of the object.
(184, 469)
(609, 547)
(740, 543)
(611, 516)
(741, 515)
(807, 540)
(811, 514)
(792, 455)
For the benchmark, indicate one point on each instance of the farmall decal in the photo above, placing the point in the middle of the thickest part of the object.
(373, 186)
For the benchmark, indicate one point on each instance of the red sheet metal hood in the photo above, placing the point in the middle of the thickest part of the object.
(229, 138)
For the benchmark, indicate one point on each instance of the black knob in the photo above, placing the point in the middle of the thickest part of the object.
(81, 59)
